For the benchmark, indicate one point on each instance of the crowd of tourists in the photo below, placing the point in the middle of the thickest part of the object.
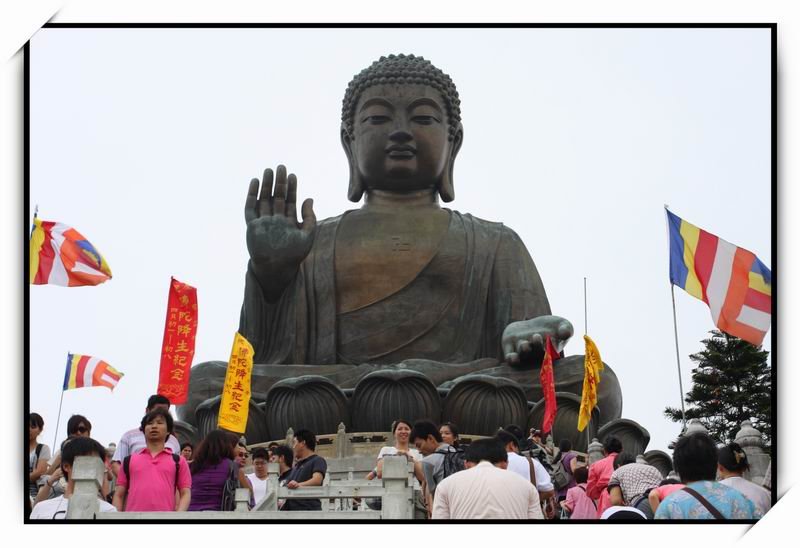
(507, 476)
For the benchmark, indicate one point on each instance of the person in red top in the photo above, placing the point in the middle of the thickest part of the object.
(600, 473)
(152, 475)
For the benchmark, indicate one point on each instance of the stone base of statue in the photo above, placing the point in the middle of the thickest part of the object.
(479, 396)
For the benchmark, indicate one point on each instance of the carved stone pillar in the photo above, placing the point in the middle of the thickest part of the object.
(753, 445)
(595, 451)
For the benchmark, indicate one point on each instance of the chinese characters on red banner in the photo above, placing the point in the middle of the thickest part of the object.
(233, 408)
(177, 350)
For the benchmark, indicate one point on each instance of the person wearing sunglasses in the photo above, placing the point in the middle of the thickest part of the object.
(54, 482)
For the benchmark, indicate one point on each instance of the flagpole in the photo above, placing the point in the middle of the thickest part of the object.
(585, 310)
(678, 354)
(58, 421)
(675, 325)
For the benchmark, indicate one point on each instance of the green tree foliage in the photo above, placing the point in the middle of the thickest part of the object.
(731, 383)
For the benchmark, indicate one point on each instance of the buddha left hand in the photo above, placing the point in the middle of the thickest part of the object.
(523, 341)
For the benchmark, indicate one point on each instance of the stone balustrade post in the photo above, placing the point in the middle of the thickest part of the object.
(342, 443)
(397, 500)
(753, 445)
(694, 426)
(595, 451)
(270, 502)
(87, 474)
(289, 436)
(242, 499)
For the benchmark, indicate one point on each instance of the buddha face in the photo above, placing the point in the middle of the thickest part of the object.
(400, 138)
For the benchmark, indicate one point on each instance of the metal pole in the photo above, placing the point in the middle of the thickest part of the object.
(58, 420)
(585, 310)
(678, 354)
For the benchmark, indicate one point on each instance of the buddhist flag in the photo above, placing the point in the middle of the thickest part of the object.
(85, 371)
(735, 285)
(236, 392)
(592, 366)
(548, 386)
(177, 347)
(60, 255)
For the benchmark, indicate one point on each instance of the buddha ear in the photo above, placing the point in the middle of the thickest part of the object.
(447, 191)
(356, 188)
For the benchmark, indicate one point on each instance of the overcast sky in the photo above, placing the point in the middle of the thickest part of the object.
(144, 140)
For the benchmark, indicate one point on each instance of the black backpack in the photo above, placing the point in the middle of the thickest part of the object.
(126, 465)
(453, 461)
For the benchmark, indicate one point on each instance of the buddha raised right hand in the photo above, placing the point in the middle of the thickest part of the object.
(277, 243)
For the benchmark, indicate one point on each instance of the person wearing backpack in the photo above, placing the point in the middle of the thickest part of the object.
(577, 502)
(38, 453)
(563, 469)
(439, 459)
(215, 472)
(151, 476)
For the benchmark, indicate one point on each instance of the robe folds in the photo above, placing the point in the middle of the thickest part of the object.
(480, 279)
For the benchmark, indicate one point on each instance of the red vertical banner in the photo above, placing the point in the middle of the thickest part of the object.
(548, 386)
(177, 350)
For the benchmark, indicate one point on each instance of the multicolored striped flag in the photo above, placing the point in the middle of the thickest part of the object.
(60, 255)
(735, 285)
(84, 371)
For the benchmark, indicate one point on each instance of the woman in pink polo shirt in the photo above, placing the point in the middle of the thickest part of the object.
(600, 474)
(150, 477)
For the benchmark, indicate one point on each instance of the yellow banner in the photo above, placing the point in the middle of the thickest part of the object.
(236, 392)
(592, 365)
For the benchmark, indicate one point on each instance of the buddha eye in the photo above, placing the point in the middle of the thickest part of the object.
(424, 119)
(375, 119)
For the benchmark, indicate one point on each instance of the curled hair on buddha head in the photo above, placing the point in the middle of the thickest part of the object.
(403, 69)
(733, 458)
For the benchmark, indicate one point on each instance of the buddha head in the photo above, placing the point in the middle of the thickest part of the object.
(401, 128)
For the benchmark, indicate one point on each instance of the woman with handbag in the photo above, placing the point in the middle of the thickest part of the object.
(215, 472)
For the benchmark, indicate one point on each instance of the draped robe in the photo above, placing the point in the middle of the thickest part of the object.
(480, 279)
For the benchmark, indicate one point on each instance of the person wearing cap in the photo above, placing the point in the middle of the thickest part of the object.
(732, 463)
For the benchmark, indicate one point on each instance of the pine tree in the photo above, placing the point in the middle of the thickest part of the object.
(731, 383)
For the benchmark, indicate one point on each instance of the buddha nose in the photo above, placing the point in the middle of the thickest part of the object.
(401, 133)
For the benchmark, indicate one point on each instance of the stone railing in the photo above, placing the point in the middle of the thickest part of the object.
(396, 490)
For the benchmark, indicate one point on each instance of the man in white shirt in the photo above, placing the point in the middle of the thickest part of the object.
(258, 479)
(486, 489)
(56, 508)
(133, 441)
(522, 465)
(525, 466)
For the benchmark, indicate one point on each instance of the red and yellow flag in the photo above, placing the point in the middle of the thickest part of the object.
(177, 350)
(592, 365)
(236, 392)
(548, 386)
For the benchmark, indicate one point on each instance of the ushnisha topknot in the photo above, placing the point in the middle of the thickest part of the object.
(402, 69)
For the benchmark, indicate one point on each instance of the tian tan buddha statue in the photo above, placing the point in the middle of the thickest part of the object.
(400, 308)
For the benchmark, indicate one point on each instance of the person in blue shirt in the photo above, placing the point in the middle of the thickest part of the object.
(695, 460)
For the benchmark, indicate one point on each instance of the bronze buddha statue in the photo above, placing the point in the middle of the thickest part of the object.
(400, 283)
